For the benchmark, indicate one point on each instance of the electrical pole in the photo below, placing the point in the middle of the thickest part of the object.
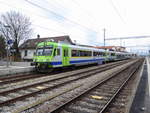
(104, 30)
(104, 35)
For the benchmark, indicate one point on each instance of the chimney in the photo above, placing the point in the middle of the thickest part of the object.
(38, 36)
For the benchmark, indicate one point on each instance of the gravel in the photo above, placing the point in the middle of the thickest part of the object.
(48, 105)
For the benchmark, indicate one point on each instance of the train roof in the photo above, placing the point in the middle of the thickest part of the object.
(87, 48)
(81, 47)
(71, 46)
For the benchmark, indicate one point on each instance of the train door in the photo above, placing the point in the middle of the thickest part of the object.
(106, 55)
(65, 56)
(57, 56)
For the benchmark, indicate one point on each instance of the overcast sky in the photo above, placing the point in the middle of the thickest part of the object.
(84, 20)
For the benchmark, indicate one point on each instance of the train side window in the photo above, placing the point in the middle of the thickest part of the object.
(104, 54)
(94, 54)
(78, 53)
(89, 53)
(85, 53)
(58, 51)
(74, 53)
(100, 53)
(81, 53)
(97, 53)
(112, 54)
(54, 52)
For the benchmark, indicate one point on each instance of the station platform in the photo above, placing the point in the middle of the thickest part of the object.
(4, 70)
(148, 70)
(141, 102)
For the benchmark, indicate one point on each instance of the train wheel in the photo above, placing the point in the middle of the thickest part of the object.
(43, 69)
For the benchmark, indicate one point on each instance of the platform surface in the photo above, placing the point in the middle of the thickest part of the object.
(4, 70)
(148, 71)
(141, 103)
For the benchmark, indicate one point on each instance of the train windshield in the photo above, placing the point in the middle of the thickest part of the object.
(44, 51)
(39, 51)
(47, 51)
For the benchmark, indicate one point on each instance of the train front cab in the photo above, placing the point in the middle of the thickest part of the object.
(50, 55)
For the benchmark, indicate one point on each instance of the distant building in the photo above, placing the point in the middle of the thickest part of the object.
(112, 48)
(28, 48)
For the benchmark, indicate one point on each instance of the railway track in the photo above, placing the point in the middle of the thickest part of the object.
(17, 78)
(97, 98)
(9, 96)
(22, 92)
(10, 79)
(123, 100)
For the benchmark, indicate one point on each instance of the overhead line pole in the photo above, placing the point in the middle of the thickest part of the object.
(104, 35)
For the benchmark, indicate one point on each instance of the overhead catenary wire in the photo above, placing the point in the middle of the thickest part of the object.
(46, 28)
(85, 11)
(117, 11)
(39, 26)
(58, 15)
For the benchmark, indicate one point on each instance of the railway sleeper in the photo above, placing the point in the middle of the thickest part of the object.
(102, 93)
(79, 109)
(85, 104)
(92, 100)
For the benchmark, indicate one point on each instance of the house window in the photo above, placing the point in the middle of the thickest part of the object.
(25, 52)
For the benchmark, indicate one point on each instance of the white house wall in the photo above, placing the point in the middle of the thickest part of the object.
(30, 54)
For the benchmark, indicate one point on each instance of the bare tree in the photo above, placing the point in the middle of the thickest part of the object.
(15, 26)
(2, 47)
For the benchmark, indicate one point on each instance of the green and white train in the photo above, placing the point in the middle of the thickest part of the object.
(50, 55)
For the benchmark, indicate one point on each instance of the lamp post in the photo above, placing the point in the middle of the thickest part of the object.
(7, 27)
